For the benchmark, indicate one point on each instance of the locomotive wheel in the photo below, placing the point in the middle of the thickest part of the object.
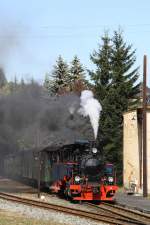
(76, 201)
(97, 202)
(113, 202)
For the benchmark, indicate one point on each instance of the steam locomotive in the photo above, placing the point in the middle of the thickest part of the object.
(75, 170)
(87, 177)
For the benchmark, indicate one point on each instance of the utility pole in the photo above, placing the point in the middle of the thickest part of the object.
(39, 174)
(39, 162)
(144, 127)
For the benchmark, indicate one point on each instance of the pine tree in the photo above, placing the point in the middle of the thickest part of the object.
(11, 86)
(15, 83)
(57, 82)
(46, 82)
(102, 78)
(124, 77)
(3, 80)
(32, 82)
(116, 84)
(77, 75)
(123, 91)
(102, 61)
(22, 83)
(76, 70)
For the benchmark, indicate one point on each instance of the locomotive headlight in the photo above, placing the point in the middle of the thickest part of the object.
(77, 179)
(94, 150)
(110, 179)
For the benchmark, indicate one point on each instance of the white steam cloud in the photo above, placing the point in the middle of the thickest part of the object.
(90, 107)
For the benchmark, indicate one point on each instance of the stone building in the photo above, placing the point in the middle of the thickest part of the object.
(133, 150)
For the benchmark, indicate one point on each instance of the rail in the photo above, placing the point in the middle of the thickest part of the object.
(100, 216)
(127, 213)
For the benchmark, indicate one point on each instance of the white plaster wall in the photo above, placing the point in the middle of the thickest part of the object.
(130, 149)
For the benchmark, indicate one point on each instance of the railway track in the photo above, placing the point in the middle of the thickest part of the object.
(130, 214)
(100, 216)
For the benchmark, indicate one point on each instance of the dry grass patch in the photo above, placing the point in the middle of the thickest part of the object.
(9, 218)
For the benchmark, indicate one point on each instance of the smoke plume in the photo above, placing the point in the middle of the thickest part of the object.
(90, 107)
(30, 118)
(9, 43)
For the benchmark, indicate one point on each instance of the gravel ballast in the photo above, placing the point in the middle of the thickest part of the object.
(41, 214)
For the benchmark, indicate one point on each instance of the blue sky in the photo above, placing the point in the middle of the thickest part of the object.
(33, 33)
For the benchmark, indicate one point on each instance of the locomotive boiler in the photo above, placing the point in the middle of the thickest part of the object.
(91, 164)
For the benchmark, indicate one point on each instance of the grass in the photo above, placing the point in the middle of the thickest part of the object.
(9, 218)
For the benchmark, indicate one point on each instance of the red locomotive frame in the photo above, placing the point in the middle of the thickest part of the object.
(104, 190)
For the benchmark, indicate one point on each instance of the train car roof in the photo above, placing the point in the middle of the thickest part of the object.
(54, 147)
(66, 146)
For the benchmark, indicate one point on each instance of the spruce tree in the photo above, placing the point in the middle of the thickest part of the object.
(102, 79)
(76, 70)
(47, 82)
(32, 81)
(57, 81)
(22, 83)
(123, 92)
(116, 86)
(3, 80)
(77, 74)
(15, 83)
(102, 61)
(124, 76)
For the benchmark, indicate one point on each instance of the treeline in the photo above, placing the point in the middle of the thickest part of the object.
(9, 87)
